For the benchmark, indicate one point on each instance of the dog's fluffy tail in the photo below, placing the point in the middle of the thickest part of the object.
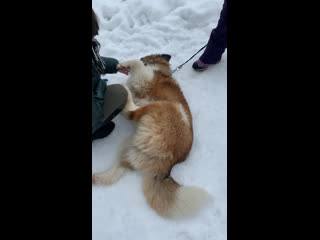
(169, 199)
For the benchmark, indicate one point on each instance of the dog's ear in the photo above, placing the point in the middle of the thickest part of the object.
(165, 57)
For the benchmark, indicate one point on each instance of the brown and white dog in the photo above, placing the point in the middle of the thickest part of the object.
(163, 138)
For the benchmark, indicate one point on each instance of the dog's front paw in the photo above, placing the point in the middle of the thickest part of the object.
(131, 64)
(123, 69)
(128, 114)
(123, 65)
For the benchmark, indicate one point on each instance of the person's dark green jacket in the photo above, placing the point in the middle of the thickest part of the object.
(99, 87)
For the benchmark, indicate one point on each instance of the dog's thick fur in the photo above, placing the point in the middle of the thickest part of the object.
(163, 138)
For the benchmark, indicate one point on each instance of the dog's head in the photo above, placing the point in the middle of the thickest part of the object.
(160, 62)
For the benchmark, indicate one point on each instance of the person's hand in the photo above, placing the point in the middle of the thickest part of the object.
(123, 69)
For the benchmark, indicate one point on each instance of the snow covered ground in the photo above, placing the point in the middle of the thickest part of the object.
(131, 29)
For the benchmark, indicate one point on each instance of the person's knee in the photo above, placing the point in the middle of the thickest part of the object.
(122, 93)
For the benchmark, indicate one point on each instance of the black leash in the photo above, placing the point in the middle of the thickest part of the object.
(179, 67)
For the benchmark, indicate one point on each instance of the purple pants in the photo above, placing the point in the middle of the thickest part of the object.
(217, 43)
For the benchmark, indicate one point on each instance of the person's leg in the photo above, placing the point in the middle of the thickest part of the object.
(103, 131)
(115, 99)
(217, 43)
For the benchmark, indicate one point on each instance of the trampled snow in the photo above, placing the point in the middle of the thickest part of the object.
(131, 29)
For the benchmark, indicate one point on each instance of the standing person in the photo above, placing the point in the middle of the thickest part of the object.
(107, 101)
(217, 43)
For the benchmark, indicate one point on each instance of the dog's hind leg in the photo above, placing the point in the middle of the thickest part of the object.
(109, 176)
(116, 171)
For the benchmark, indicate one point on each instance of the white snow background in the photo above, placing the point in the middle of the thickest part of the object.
(131, 29)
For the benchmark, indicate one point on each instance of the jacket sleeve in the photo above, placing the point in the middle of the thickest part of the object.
(110, 65)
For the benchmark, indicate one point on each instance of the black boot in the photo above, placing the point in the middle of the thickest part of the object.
(103, 131)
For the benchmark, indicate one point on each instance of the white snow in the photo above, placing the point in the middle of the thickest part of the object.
(131, 29)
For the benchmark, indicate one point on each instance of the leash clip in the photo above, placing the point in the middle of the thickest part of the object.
(177, 69)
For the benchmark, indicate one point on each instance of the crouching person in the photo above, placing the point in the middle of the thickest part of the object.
(107, 100)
